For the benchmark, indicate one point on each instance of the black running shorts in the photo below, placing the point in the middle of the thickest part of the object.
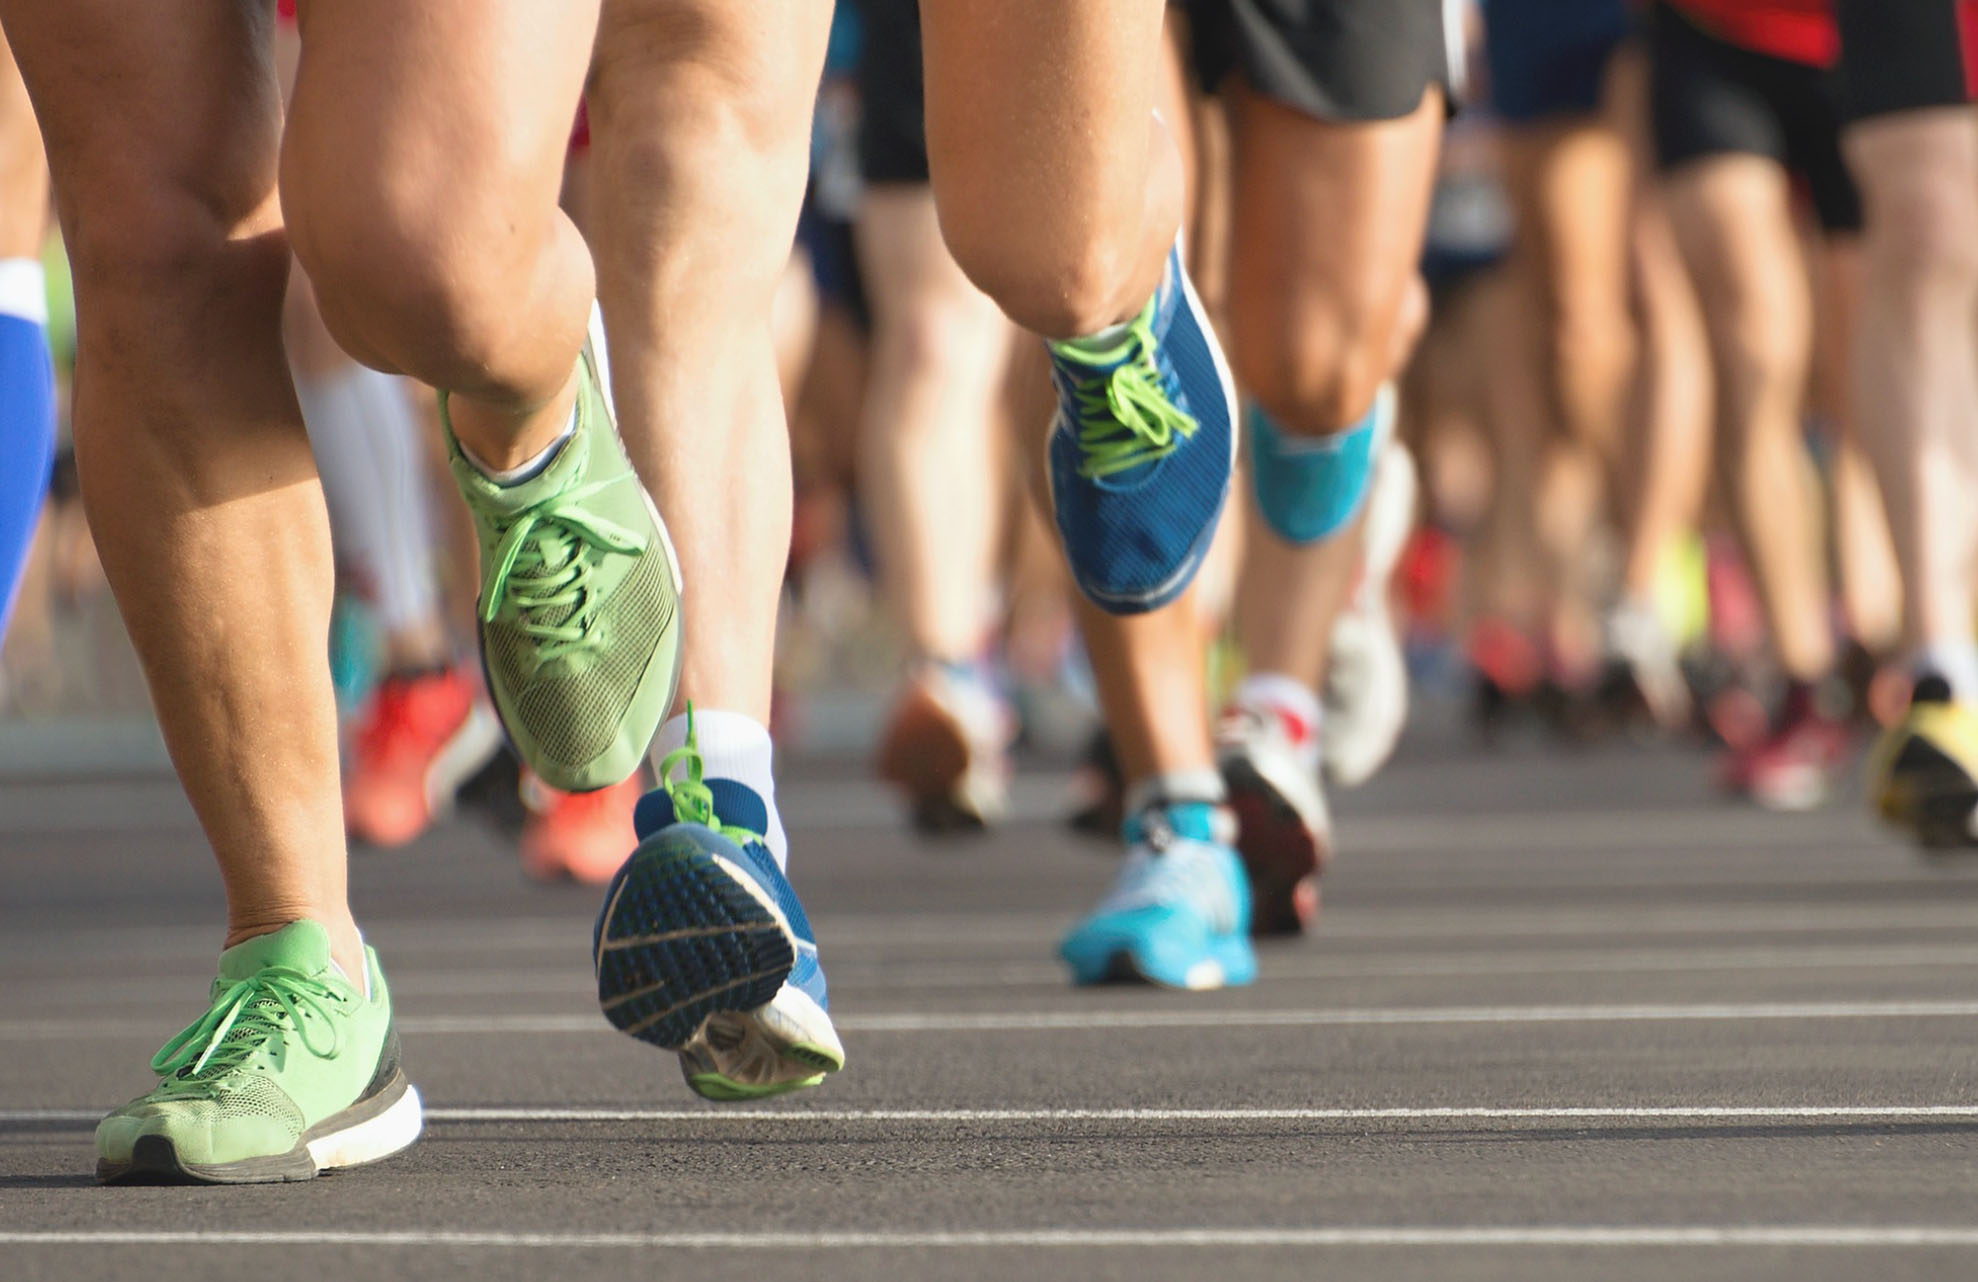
(1906, 55)
(1712, 98)
(1336, 60)
(892, 93)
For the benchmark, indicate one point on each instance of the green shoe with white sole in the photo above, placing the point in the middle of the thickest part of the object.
(580, 599)
(292, 1071)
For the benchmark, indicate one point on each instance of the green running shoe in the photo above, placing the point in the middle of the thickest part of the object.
(580, 599)
(292, 1071)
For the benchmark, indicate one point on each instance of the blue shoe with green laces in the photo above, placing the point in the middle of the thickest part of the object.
(702, 947)
(1142, 450)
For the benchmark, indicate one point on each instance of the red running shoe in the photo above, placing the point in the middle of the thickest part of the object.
(578, 836)
(416, 742)
(1796, 766)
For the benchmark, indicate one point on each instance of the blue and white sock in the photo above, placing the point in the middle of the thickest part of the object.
(27, 416)
(1309, 488)
(733, 745)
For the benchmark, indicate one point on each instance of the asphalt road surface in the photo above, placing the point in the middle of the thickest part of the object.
(1566, 1017)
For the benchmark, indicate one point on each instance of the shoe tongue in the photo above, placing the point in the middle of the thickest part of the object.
(735, 805)
(304, 946)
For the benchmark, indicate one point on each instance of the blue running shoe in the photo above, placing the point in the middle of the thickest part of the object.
(1180, 914)
(1142, 450)
(702, 947)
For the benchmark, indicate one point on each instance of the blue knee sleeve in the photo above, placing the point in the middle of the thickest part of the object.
(1310, 488)
(27, 444)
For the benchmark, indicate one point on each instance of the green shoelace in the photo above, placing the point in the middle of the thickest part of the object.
(692, 801)
(544, 564)
(1125, 416)
(262, 1004)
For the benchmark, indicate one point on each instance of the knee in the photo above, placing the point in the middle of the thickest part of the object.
(407, 279)
(1317, 374)
(1923, 237)
(1059, 287)
(1592, 341)
(153, 261)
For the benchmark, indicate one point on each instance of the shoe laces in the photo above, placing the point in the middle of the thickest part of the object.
(1126, 416)
(244, 1017)
(545, 563)
(693, 802)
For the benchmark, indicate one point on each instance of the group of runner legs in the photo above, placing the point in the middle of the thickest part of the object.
(631, 500)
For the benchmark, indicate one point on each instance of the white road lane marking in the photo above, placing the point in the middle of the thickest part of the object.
(1536, 1235)
(1115, 1020)
(1651, 1113)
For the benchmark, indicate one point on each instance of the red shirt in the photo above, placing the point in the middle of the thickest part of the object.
(1796, 30)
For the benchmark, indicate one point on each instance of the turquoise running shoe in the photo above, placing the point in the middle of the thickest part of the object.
(702, 947)
(1142, 450)
(1179, 916)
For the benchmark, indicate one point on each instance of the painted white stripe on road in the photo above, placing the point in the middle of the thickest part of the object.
(1538, 1235)
(1112, 1020)
(1707, 1112)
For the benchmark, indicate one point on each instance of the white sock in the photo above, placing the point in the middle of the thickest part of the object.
(733, 745)
(531, 467)
(365, 433)
(24, 290)
(1954, 661)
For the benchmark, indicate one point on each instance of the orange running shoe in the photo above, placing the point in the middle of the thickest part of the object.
(417, 740)
(578, 836)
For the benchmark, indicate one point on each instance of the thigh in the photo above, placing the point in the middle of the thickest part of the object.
(1328, 221)
(161, 118)
(450, 112)
(1041, 95)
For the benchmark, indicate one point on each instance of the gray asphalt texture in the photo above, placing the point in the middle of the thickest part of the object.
(1517, 932)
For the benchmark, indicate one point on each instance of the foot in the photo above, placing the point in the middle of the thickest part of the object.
(579, 610)
(1643, 681)
(577, 836)
(947, 748)
(1142, 450)
(1179, 916)
(1270, 763)
(417, 741)
(703, 948)
(1796, 766)
(292, 1072)
(1923, 772)
(1366, 688)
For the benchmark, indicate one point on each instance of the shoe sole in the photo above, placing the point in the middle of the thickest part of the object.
(927, 755)
(686, 935)
(371, 1130)
(1282, 853)
(1931, 797)
(788, 1045)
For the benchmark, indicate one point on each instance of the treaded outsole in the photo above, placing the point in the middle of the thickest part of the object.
(682, 937)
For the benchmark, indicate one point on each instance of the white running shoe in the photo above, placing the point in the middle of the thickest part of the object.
(1366, 688)
(1284, 827)
(947, 747)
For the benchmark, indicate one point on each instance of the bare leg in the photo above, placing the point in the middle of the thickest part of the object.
(1916, 377)
(427, 216)
(1063, 200)
(931, 453)
(700, 119)
(1733, 219)
(189, 442)
(1316, 325)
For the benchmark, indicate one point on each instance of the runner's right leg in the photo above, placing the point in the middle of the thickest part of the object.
(162, 125)
(1915, 155)
(700, 129)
